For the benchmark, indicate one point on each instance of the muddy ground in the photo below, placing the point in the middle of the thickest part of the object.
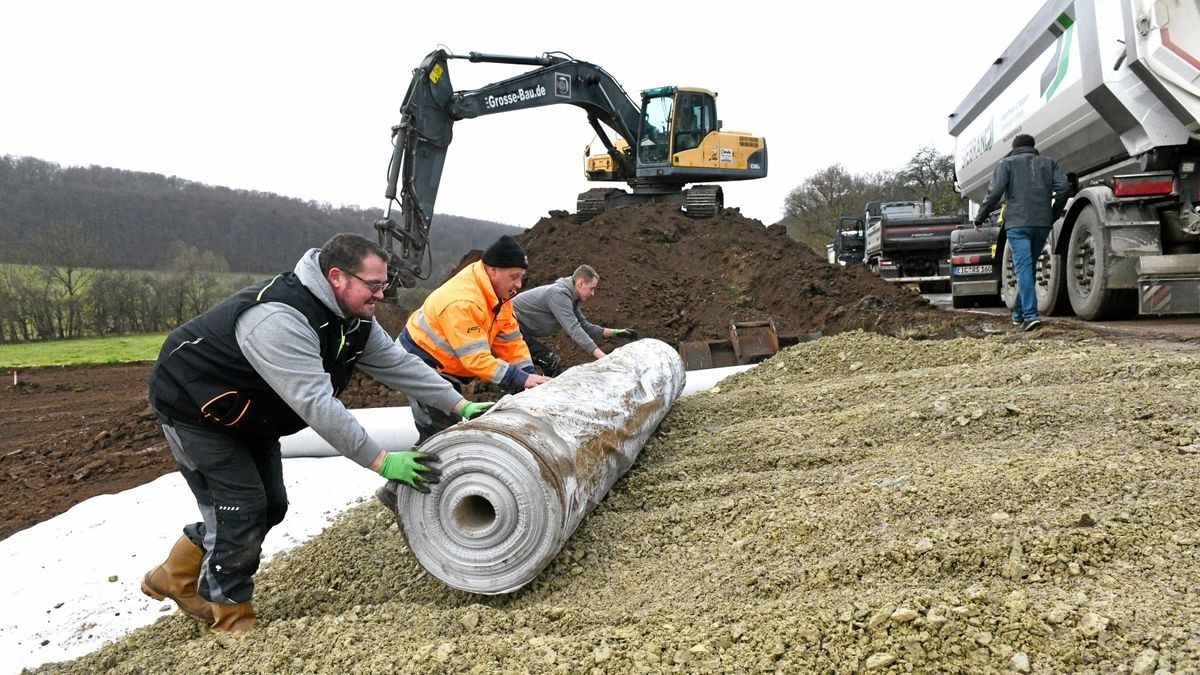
(74, 433)
(981, 501)
(860, 503)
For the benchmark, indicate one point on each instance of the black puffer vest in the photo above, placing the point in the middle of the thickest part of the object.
(202, 378)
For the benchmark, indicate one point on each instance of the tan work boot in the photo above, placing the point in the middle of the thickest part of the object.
(233, 618)
(176, 579)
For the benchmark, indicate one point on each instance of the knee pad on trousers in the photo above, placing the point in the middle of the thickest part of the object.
(553, 366)
(243, 560)
(241, 527)
(276, 510)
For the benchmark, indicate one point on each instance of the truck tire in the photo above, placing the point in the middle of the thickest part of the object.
(1008, 278)
(1087, 261)
(1051, 284)
(961, 301)
(1048, 277)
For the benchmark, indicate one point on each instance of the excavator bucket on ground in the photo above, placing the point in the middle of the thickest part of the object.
(749, 342)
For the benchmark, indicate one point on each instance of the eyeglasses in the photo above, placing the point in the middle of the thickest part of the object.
(373, 286)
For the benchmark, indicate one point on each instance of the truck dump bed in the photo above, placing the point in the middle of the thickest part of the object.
(930, 232)
(1121, 82)
(906, 243)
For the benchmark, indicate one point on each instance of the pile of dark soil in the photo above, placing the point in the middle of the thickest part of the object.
(676, 279)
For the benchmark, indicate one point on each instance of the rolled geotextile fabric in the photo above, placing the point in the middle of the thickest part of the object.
(392, 427)
(519, 480)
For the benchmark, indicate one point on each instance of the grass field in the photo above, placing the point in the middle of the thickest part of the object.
(81, 352)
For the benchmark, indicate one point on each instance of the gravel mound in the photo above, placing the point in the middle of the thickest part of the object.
(860, 502)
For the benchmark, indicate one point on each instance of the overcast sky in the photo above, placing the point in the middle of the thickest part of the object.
(298, 98)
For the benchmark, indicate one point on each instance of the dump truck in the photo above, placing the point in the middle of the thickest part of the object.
(905, 242)
(846, 247)
(1109, 89)
(974, 271)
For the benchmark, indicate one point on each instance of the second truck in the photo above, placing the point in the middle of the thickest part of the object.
(904, 242)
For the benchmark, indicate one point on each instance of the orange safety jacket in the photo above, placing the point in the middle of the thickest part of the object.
(469, 332)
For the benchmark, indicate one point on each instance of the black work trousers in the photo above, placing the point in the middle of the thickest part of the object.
(544, 358)
(430, 420)
(238, 485)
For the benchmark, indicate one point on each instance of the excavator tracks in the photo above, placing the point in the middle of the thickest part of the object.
(704, 201)
(592, 203)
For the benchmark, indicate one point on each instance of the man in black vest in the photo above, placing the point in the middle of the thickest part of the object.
(266, 362)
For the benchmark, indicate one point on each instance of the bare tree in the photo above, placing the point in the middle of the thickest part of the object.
(60, 253)
(197, 274)
(116, 303)
(14, 323)
(930, 174)
(814, 207)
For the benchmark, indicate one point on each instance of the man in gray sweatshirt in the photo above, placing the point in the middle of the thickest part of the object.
(545, 310)
(266, 362)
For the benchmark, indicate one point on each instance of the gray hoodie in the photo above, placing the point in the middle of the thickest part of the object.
(542, 311)
(278, 342)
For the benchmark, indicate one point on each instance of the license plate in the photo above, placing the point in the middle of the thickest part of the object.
(972, 269)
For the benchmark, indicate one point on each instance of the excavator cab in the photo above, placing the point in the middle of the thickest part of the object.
(681, 141)
(675, 121)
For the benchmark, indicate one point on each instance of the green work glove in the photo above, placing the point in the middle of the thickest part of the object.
(626, 333)
(411, 468)
(471, 409)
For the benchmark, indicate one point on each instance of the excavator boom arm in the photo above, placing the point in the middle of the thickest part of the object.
(427, 116)
(559, 80)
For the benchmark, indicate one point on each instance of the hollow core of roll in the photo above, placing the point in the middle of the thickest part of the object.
(474, 513)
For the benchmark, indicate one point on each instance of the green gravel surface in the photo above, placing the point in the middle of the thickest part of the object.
(857, 503)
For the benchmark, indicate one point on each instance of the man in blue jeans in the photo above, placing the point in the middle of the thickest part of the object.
(1035, 193)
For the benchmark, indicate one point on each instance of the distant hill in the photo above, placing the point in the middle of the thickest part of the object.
(132, 218)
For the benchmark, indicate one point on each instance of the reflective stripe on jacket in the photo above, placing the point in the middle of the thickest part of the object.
(470, 332)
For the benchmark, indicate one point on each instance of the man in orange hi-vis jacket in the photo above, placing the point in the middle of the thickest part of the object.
(466, 329)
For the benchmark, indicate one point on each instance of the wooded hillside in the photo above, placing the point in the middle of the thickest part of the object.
(132, 219)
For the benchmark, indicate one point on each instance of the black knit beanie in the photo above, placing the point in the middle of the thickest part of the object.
(506, 252)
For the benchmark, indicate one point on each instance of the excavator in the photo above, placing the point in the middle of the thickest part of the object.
(672, 140)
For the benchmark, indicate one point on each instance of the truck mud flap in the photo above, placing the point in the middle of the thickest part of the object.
(1168, 284)
(1173, 295)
